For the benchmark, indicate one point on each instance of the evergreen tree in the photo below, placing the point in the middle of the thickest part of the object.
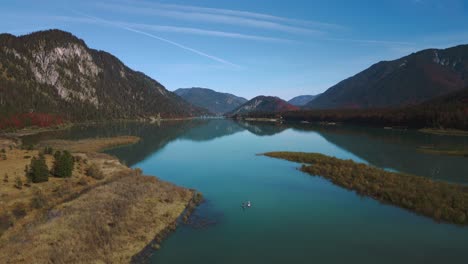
(38, 171)
(63, 165)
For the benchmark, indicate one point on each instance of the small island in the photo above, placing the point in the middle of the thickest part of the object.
(439, 200)
(63, 202)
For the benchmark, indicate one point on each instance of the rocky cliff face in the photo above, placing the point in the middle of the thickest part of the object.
(55, 72)
(50, 67)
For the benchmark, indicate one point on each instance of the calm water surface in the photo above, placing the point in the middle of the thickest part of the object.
(295, 218)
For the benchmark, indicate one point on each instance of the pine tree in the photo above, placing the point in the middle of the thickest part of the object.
(38, 171)
(63, 165)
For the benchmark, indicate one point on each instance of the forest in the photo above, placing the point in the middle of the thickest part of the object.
(446, 112)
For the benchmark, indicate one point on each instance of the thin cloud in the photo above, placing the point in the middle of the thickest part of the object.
(214, 58)
(370, 41)
(215, 33)
(209, 17)
(239, 13)
(176, 29)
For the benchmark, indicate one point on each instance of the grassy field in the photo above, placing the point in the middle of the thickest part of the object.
(445, 132)
(89, 145)
(439, 200)
(84, 218)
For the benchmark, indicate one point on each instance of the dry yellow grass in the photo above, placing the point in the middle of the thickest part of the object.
(89, 145)
(85, 220)
(6, 143)
(445, 132)
(448, 152)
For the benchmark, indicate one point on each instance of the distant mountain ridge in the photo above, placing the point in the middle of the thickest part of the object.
(55, 72)
(262, 103)
(302, 100)
(410, 80)
(215, 102)
(449, 111)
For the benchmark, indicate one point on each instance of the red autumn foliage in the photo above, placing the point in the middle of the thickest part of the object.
(30, 119)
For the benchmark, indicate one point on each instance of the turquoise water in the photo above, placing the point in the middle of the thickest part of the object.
(295, 218)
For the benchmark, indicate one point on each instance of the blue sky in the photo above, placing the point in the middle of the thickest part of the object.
(249, 47)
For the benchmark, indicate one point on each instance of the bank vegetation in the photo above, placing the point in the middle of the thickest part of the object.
(439, 200)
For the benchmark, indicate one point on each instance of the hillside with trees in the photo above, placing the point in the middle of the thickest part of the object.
(449, 111)
(263, 104)
(302, 100)
(53, 76)
(215, 102)
(410, 80)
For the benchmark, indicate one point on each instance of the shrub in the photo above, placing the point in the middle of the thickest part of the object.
(18, 183)
(19, 210)
(63, 165)
(48, 150)
(95, 172)
(38, 171)
(83, 181)
(138, 171)
(3, 150)
(28, 182)
(198, 198)
(5, 178)
(38, 200)
(5, 222)
(155, 246)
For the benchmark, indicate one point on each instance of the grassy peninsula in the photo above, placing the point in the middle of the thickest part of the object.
(463, 152)
(104, 212)
(89, 145)
(439, 200)
(445, 132)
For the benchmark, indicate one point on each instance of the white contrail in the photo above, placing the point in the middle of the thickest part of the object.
(183, 47)
(163, 39)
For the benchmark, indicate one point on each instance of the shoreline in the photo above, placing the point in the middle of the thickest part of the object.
(28, 131)
(445, 132)
(444, 152)
(151, 248)
(133, 211)
(427, 130)
(441, 201)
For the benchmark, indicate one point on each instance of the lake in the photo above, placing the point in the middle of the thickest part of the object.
(295, 217)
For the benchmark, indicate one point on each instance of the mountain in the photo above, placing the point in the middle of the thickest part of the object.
(409, 80)
(302, 100)
(262, 103)
(55, 72)
(449, 111)
(215, 102)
